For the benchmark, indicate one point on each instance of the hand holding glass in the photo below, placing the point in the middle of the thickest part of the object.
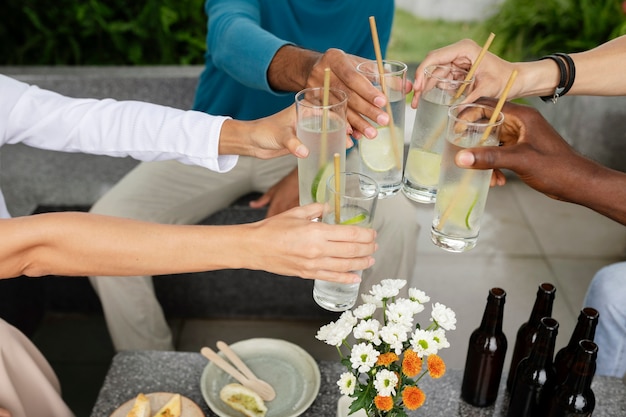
(443, 87)
(322, 129)
(462, 193)
(352, 203)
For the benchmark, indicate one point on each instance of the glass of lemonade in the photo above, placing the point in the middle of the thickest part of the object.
(462, 193)
(382, 158)
(352, 203)
(444, 85)
(322, 129)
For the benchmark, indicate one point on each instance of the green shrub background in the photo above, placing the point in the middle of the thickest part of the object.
(102, 32)
(172, 32)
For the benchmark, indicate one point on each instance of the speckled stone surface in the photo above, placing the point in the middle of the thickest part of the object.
(134, 372)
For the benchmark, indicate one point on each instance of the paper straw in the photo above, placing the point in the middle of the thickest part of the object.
(337, 162)
(325, 100)
(467, 177)
(433, 138)
(476, 63)
(381, 74)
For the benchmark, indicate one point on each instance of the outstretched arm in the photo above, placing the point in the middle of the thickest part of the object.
(81, 244)
(546, 162)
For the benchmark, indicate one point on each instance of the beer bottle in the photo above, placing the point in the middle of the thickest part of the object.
(574, 397)
(528, 331)
(535, 374)
(485, 354)
(585, 329)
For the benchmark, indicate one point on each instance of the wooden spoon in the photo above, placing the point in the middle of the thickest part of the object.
(262, 388)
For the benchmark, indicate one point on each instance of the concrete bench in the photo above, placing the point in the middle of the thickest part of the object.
(35, 180)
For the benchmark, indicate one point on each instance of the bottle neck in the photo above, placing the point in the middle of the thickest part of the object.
(583, 368)
(585, 327)
(494, 312)
(543, 349)
(543, 304)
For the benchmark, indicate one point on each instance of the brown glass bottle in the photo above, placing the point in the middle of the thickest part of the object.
(575, 397)
(585, 329)
(528, 331)
(535, 374)
(485, 354)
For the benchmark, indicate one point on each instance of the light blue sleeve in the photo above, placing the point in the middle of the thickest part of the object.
(237, 43)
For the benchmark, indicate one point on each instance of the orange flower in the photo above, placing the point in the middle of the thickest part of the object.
(413, 397)
(436, 366)
(386, 359)
(383, 403)
(411, 364)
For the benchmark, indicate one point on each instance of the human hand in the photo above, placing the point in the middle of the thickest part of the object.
(363, 97)
(490, 77)
(264, 138)
(4, 412)
(534, 151)
(294, 245)
(281, 196)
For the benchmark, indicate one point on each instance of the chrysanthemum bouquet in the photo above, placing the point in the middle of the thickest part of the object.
(385, 363)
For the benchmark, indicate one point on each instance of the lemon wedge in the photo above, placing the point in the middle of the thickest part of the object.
(378, 154)
(423, 167)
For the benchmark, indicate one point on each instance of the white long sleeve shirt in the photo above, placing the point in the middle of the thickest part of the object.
(147, 132)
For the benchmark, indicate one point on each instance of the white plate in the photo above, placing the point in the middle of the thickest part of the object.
(158, 400)
(292, 372)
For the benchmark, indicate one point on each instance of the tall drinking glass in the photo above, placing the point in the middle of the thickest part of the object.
(463, 192)
(382, 158)
(352, 203)
(322, 129)
(443, 86)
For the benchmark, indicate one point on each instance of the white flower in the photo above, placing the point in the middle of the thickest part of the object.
(370, 299)
(368, 330)
(365, 311)
(334, 333)
(385, 383)
(439, 336)
(401, 312)
(418, 295)
(443, 316)
(384, 292)
(394, 335)
(347, 383)
(423, 343)
(363, 357)
(398, 284)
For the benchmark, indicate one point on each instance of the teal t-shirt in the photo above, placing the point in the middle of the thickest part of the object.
(244, 35)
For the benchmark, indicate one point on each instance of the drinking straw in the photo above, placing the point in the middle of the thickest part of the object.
(468, 175)
(381, 74)
(325, 99)
(433, 138)
(337, 161)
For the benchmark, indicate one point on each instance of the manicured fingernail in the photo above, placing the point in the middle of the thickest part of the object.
(382, 119)
(465, 159)
(380, 101)
(370, 132)
(302, 151)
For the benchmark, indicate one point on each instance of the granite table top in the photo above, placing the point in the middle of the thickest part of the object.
(133, 372)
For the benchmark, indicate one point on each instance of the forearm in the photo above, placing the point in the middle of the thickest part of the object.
(604, 191)
(596, 73)
(80, 244)
(290, 68)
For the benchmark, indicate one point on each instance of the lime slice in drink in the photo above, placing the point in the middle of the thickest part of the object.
(459, 203)
(423, 167)
(378, 154)
(361, 217)
(318, 188)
